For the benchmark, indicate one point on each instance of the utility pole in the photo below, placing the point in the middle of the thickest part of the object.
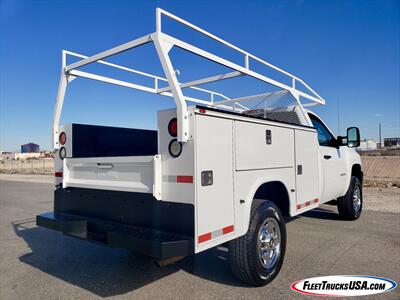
(380, 136)
(338, 117)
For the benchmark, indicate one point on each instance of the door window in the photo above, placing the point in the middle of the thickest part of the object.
(325, 138)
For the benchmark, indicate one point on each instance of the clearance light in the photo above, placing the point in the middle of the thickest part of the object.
(173, 127)
(62, 153)
(62, 138)
(175, 148)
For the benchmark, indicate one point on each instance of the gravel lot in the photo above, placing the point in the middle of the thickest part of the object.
(37, 263)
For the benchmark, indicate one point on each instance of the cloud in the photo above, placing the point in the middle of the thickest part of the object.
(377, 115)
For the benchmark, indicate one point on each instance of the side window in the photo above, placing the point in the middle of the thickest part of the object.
(325, 138)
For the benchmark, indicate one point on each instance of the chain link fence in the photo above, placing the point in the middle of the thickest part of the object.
(31, 166)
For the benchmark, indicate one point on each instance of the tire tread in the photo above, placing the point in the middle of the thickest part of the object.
(240, 257)
(344, 203)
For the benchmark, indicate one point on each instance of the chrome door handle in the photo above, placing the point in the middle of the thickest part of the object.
(327, 156)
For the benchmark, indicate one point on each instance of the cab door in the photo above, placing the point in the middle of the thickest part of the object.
(331, 160)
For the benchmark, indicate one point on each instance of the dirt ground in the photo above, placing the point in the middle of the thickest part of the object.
(381, 170)
(382, 199)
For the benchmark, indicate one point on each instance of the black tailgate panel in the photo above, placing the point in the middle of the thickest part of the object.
(104, 141)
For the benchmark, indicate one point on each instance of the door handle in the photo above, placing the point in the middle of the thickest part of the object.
(104, 166)
(327, 156)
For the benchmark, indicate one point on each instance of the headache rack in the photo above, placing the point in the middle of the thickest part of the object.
(163, 44)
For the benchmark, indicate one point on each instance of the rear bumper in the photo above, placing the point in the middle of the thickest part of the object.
(149, 242)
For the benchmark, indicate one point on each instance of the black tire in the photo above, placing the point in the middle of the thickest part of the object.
(243, 251)
(348, 210)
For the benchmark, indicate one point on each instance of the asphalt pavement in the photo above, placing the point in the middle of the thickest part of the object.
(37, 263)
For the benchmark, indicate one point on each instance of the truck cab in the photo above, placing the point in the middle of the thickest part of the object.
(338, 161)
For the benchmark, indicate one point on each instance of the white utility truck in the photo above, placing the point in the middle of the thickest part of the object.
(218, 169)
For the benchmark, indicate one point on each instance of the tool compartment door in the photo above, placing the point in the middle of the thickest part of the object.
(214, 202)
(261, 146)
(307, 177)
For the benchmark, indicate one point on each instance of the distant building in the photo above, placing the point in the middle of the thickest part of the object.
(25, 156)
(30, 148)
(367, 145)
(5, 155)
(391, 142)
(46, 154)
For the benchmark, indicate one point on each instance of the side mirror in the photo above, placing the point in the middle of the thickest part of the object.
(353, 137)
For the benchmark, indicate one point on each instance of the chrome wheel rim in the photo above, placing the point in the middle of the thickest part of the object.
(356, 199)
(269, 243)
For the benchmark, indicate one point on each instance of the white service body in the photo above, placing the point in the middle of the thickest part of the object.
(234, 148)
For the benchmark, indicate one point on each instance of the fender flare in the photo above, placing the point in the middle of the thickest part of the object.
(250, 196)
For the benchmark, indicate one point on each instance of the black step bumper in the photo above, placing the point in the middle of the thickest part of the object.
(149, 242)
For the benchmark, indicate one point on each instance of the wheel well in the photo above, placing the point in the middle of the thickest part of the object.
(274, 191)
(356, 171)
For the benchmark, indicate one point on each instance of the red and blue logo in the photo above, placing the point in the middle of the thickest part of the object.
(343, 285)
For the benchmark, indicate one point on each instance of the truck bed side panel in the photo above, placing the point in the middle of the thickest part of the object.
(260, 160)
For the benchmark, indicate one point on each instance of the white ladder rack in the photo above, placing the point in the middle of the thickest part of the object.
(163, 44)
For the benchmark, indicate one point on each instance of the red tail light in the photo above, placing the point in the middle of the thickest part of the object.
(62, 138)
(173, 127)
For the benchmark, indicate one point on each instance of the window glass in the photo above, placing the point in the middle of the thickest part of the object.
(325, 138)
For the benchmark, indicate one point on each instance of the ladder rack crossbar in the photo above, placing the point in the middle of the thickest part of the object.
(155, 90)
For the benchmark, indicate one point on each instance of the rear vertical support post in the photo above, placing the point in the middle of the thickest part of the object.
(62, 87)
(163, 49)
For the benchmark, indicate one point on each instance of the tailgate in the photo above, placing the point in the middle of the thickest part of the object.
(129, 173)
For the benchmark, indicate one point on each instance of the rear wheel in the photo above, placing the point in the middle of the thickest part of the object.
(350, 205)
(256, 258)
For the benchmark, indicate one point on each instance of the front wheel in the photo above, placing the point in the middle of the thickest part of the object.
(257, 257)
(350, 205)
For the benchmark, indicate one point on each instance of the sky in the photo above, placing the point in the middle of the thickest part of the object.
(348, 51)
